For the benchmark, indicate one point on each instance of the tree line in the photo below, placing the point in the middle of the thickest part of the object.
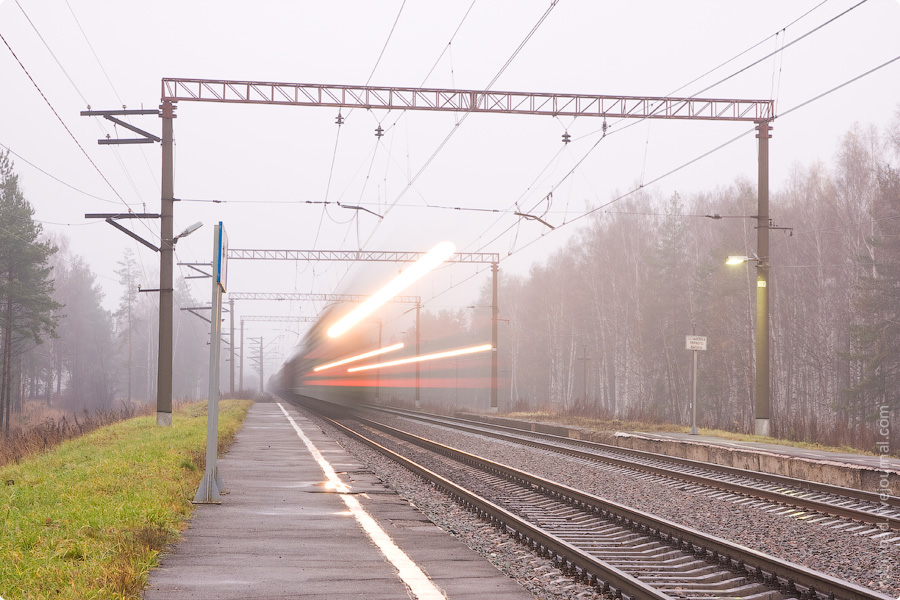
(599, 327)
(59, 346)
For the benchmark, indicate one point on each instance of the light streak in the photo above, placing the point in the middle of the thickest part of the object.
(375, 352)
(413, 273)
(412, 359)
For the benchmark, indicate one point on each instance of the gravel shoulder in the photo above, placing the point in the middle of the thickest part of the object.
(862, 560)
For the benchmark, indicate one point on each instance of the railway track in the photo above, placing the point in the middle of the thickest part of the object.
(619, 550)
(817, 502)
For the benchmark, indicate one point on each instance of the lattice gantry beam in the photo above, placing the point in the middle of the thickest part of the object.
(316, 297)
(435, 99)
(356, 255)
(281, 319)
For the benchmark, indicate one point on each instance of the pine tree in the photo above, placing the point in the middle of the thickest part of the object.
(127, 273)
(26, 304)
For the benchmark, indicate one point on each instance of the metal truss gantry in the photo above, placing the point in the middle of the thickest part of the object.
(315, 297)
(437, 99)
(356, 256)
(174, 90)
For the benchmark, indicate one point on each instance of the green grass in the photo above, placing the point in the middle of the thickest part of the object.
(89, 518)
(639, 426)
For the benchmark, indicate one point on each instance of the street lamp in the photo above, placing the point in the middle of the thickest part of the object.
(761, 407)
(738, 260)
(188, 231)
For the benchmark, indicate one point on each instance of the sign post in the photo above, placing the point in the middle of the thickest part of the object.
(211, 485)
(694, 343)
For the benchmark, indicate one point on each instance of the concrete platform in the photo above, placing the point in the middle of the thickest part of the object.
(284, 531)
(878, 474)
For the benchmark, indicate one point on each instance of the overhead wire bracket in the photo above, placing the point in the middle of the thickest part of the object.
(110, 115)
(111, 218)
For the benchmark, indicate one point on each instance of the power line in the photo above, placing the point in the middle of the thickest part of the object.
(59, 64)
(466, 115)
(386, 42)
(54, 177)
(643, 185)
(783, 48)
(705, 154)
(63, 123)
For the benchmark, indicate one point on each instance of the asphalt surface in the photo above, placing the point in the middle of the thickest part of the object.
(283, 530)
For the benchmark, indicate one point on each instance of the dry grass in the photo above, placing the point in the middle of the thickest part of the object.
(88, 518)
(640, 426)
(43, 428)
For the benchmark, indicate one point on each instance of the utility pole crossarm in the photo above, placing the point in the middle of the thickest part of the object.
(355, 256)
(437, 99)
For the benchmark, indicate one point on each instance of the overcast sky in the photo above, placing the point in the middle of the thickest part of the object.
(272, 167)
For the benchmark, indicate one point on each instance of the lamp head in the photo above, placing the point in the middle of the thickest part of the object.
(189, 230)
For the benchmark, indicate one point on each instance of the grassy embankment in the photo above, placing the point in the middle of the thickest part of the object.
(89, 518)
(638, 426)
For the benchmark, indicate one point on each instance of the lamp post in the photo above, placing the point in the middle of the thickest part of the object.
(761, 409)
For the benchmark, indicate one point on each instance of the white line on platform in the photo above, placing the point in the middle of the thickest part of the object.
(418, 583)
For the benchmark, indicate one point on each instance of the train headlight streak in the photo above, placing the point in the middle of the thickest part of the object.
(375, 352)
(413, 273)
(412, 359)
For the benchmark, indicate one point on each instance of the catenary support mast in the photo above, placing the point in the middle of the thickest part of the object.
(174, 90)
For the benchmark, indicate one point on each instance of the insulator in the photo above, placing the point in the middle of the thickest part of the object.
(566, 138)
(379, 132)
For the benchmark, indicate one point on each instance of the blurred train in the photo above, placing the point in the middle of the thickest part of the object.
(451, 371)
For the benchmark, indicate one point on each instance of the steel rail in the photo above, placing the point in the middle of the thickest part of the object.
(546, 542)
(740, 557)
(855, 514)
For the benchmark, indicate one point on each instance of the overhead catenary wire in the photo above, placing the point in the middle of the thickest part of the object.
(63, 123)
(455, 128)
(609, 129)
(54, 177)
(605, 130)
(713, 150)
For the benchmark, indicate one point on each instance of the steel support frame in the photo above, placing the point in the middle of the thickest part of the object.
(316, 297)
(355, 256)
(438, 99)
(760, 112)
(279, 319)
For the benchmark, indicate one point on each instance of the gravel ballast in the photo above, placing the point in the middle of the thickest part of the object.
(861, 559)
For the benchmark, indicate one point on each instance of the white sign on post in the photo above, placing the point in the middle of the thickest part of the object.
(211, 487)
(695, 342)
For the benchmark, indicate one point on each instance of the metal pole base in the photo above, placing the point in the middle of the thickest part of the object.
(208, 492)
(164, 419)
(762, 427)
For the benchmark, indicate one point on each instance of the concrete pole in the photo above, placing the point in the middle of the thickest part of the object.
(166, 253)
(231, 338)
(495, 314)
(261, 363)
(418, 351)
(762, 407)
(241, 381)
